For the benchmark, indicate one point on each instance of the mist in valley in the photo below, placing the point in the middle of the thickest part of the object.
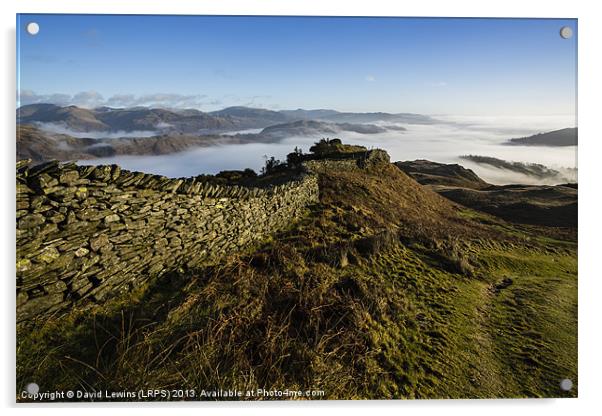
(444, 142)
(58, 128)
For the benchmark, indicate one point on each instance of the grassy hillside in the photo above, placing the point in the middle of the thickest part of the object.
(385, 290)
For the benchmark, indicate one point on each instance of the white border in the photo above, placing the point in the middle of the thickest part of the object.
(590, 185)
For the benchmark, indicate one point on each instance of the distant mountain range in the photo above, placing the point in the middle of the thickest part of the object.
(39, 145)
(339, 117)
(313, 128)
(249, 118)
(191, 121)
(563, 137)
(107, 119)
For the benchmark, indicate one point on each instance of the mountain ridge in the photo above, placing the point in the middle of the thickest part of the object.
(233, 118)
(556, 138)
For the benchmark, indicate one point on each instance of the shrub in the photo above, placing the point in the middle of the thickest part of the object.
(272, 165)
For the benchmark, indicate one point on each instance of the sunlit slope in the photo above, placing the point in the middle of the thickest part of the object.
(385, 290)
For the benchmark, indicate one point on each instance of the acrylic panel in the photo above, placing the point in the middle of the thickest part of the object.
(295, 208)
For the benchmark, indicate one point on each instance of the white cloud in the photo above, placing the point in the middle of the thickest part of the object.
(88, 99)
(163, 125)
(370, 78)
(59, 128)
(92, 99)
(438, 84)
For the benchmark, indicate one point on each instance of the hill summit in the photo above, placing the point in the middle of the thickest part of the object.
(381, 289)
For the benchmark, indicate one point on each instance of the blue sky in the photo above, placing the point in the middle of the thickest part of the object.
(421, 65)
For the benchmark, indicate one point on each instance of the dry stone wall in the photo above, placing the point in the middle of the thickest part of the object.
(359, 160)
(86, 233)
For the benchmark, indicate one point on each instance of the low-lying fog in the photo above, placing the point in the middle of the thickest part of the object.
(443, 143)
(58, 128)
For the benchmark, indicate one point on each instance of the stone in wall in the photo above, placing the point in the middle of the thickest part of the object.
(86, 233)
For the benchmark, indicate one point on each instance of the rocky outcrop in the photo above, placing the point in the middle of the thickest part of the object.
(352, 160)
